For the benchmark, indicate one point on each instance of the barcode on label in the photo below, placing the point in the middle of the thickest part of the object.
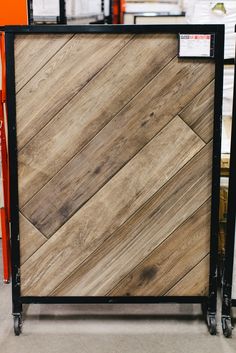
(196, 45)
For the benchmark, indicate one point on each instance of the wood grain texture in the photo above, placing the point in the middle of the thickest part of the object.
(119, 141)
(110, 207)
(172, 205)
(30, 239)
(195, 283)
(199, 114)
(91, 110)
(61, 78)
(29, 59)
(115, 165)
(170, 261)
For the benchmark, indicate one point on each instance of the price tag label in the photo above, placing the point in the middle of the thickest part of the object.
(196, 45)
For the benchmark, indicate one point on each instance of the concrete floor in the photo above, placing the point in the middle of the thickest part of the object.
(109, 329)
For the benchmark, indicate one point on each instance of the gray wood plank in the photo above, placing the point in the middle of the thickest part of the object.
(121, 197)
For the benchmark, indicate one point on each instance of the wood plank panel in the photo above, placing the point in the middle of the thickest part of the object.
(31, 57)
(199, 114)
(61, 78)
(110, 208)
(93, 108)
(196, 282)
(30, 239)
(119, 141)
(138, 237)
(172, 260)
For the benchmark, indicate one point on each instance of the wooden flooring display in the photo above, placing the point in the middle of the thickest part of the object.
(114, 143)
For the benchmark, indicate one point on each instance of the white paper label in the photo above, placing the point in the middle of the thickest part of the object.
(195, 45)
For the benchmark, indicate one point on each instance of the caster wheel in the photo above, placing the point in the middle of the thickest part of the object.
(17, 324)
(227, 327)
(212, 325)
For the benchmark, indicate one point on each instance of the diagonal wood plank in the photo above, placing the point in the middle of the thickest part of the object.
(63, 76)
(30, 239)
(199, 114)
(195, 283)
(93, 108)
(119, 141)
(155, 221)
(110, 208)
(172, 260)
(30, 58)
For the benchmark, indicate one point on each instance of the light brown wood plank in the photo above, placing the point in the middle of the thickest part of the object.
(63, 76)
(155, 221)
(110, 208)
(30, 239)
(34, 51)
(90, 110)
(195, 283)
(199, 114)
(172, 260)
(108, 151)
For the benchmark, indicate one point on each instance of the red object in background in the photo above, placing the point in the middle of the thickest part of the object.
(5, 209)
(12, 12)
(118, 11)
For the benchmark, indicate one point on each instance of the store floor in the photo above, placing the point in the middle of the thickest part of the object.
(109, 329)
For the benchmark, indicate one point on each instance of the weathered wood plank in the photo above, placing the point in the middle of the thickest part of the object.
(90, 110)
(30, 239)
(172, 260)
(122, 196)
(195, 283)
(61, 78)
(138, 237)
(108, 151)
(199, 114)
(33, 52)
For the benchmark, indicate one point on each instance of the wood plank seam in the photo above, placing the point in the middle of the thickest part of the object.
(178, 124)
(193, 130)
(74, 156)
(153, 196)
(155, 249)
(197, 95)
(90, 267)
(61, 109)
(57, 51)
(41, 234)
(110, 164)
(109, 179)
(44, 183)
(77, 153)
(169, 290)
(200, 116)
(137, 211)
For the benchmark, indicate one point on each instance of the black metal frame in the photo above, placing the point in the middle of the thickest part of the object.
(227, 301)
(62, 13)
(218, 31)
(30, 11)
(154, 14)
(61, 19)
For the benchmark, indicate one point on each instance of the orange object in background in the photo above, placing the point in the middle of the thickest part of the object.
(118, 10)
(5, 208)
(13, 12)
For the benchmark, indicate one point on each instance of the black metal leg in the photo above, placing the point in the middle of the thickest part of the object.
(209, 315)
(17, 317)
(226, 311)
(211, 306)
